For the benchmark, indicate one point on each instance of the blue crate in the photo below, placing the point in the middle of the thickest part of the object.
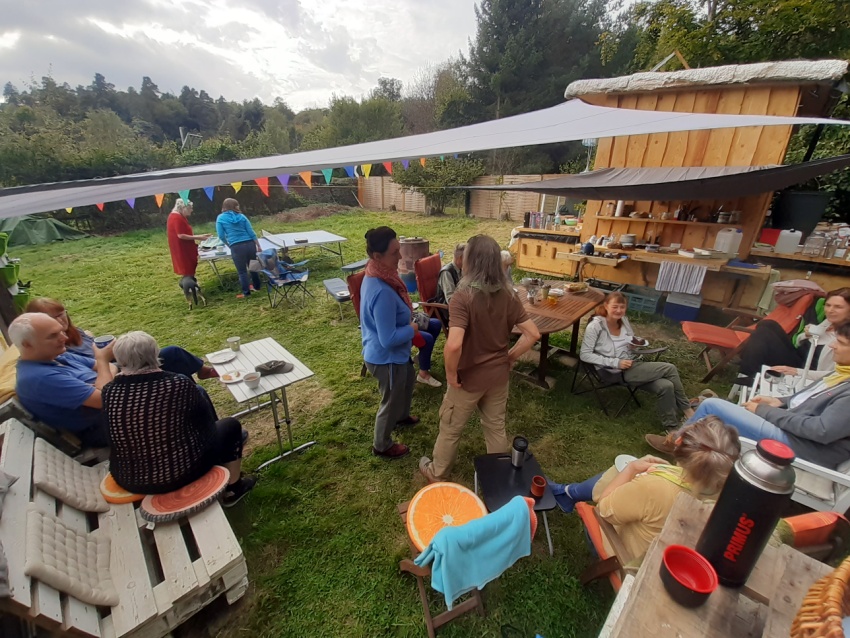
(643, 298)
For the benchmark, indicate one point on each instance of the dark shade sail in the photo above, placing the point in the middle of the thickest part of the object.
(666, 184)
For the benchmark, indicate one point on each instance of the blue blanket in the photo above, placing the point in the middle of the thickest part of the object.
(471, 555)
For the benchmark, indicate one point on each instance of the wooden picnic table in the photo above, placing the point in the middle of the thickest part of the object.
(556, 317)
(764, 607)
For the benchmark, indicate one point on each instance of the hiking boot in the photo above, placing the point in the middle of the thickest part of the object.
(666, 444)
(395, 451)
(238, 490)
(426, 471)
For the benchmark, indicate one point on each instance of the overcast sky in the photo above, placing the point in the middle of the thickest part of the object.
(302, 51)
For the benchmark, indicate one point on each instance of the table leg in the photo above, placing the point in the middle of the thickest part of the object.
(548, 535)
(574, 338)
(217, 274)
(288, 422)
(543, 366)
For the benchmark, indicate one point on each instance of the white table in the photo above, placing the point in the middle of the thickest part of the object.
(305, 239)
(211, 256)
(247, 358)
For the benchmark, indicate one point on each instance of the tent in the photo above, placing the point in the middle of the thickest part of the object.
(30, 231)
(676, 183)
(572, 120)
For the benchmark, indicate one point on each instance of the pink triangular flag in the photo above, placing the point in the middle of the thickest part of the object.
(366, 168)
(100, 206)
(307, 176)
(263, 183)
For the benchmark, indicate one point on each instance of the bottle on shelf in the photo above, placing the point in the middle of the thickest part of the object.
(556, 222)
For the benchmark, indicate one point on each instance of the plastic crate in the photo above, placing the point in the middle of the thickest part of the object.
(603, 285)
(642, 298)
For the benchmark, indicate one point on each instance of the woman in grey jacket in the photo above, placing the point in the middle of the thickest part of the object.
(608, 344)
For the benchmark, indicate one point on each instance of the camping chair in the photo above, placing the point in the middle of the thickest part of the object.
(598, 380)
(355, 281)
(729, 340)
(613, 565)
(283, 277)
(427, 270)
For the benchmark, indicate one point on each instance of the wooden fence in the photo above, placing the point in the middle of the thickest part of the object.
(382, 193)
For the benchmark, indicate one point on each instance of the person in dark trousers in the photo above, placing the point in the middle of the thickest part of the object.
(234, 229)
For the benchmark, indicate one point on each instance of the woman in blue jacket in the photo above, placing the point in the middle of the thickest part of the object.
(388, 331)
(234, 229)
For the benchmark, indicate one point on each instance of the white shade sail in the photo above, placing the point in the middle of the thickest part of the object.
(572, 120)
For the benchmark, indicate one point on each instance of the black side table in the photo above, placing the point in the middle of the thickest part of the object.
(500, 482)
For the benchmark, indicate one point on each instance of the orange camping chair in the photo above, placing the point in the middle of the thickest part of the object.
(729, 340)
(354, 282)
(427, 271)
(611, 565)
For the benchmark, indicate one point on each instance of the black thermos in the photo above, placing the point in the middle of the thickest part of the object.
(752, 500)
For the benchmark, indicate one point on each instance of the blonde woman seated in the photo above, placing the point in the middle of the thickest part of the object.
(609, 343)
(637, 500)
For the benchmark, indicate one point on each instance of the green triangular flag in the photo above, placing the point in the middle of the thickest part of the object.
(328, 173)
(184, 195)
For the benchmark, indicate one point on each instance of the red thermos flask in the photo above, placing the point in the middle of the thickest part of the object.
(753, 498)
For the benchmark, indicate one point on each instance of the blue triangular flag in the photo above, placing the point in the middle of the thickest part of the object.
(455, 155)
(184, 195)
(328, 173)
(209, 190)
(405, 163)
(131, 201)
(349, 170)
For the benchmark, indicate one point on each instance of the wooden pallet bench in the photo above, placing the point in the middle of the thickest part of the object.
(162, 576)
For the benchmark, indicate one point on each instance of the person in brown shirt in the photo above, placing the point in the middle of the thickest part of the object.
(483, 311)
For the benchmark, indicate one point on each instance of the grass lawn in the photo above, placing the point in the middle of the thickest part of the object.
(321, 531)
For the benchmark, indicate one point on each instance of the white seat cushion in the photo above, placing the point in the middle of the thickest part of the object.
(64, 478)
(73, 562)
(817, 486)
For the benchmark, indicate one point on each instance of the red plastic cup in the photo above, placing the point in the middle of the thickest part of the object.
(538, 486)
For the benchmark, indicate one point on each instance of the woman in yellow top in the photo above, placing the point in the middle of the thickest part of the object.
(637, 500)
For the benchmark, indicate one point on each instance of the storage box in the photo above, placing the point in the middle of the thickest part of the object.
(642, 298)
(682, 307)
(603, 285)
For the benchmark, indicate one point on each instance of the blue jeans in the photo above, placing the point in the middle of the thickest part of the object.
(179, 361)
(434, 327)
(242, 254)
(749, 425)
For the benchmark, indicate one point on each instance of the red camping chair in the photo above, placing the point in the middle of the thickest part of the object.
(354, 282)
(427, 270)
(729, 340)
(610, 565)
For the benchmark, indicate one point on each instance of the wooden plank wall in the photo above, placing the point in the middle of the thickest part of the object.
(747, 146)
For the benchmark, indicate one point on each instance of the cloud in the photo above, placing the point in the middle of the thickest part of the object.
(302, 52)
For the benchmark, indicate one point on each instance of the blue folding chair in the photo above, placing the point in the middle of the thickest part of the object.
(285, 280)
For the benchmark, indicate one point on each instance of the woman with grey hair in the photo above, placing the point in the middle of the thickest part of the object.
(162, 426)
(181, 239)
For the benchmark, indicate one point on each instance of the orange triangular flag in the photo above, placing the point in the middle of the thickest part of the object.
(236, 186)
(68, 210)
(100, 207)
(159, 198)
(263, 183)
(307, 176)
(389, 167)
(366, 168)
(422, 161)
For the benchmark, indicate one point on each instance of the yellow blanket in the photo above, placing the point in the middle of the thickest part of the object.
(8, 373)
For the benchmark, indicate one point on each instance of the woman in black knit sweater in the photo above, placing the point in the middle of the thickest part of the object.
(163, 428)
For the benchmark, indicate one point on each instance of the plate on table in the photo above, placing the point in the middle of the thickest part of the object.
(232, 376)
(623, 460)
(222, 356)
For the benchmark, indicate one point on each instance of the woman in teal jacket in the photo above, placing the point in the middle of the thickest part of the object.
(234, 229)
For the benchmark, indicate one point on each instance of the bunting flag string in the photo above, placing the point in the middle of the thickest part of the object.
(237, 186)
(208, 191)
(131, 201)
(158, 197)
(405, 163)
(349, 170)
(307, 176)
(184, 195)
(328, 173)
(100, 207)
(442, 158)
(68, 210)
(263, 183)
(422, 161)
(366, 168)
(389, 167)
(284, 181)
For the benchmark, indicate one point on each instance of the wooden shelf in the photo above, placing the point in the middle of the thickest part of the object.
(761, 252)
(647, 220)
(558, 233)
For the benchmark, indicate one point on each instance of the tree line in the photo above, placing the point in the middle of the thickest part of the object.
(521, 58)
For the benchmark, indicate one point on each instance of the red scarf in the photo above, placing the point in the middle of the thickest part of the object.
(390, 277)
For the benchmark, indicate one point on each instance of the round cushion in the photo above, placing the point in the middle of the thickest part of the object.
(114, 493)
(161, 508)
(440, 505)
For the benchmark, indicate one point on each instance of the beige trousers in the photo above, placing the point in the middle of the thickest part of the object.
(457, 407)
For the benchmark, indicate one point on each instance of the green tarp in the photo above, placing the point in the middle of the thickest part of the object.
(30, 231)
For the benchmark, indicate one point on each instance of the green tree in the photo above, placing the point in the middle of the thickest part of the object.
(352, 122)
(437, 178)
